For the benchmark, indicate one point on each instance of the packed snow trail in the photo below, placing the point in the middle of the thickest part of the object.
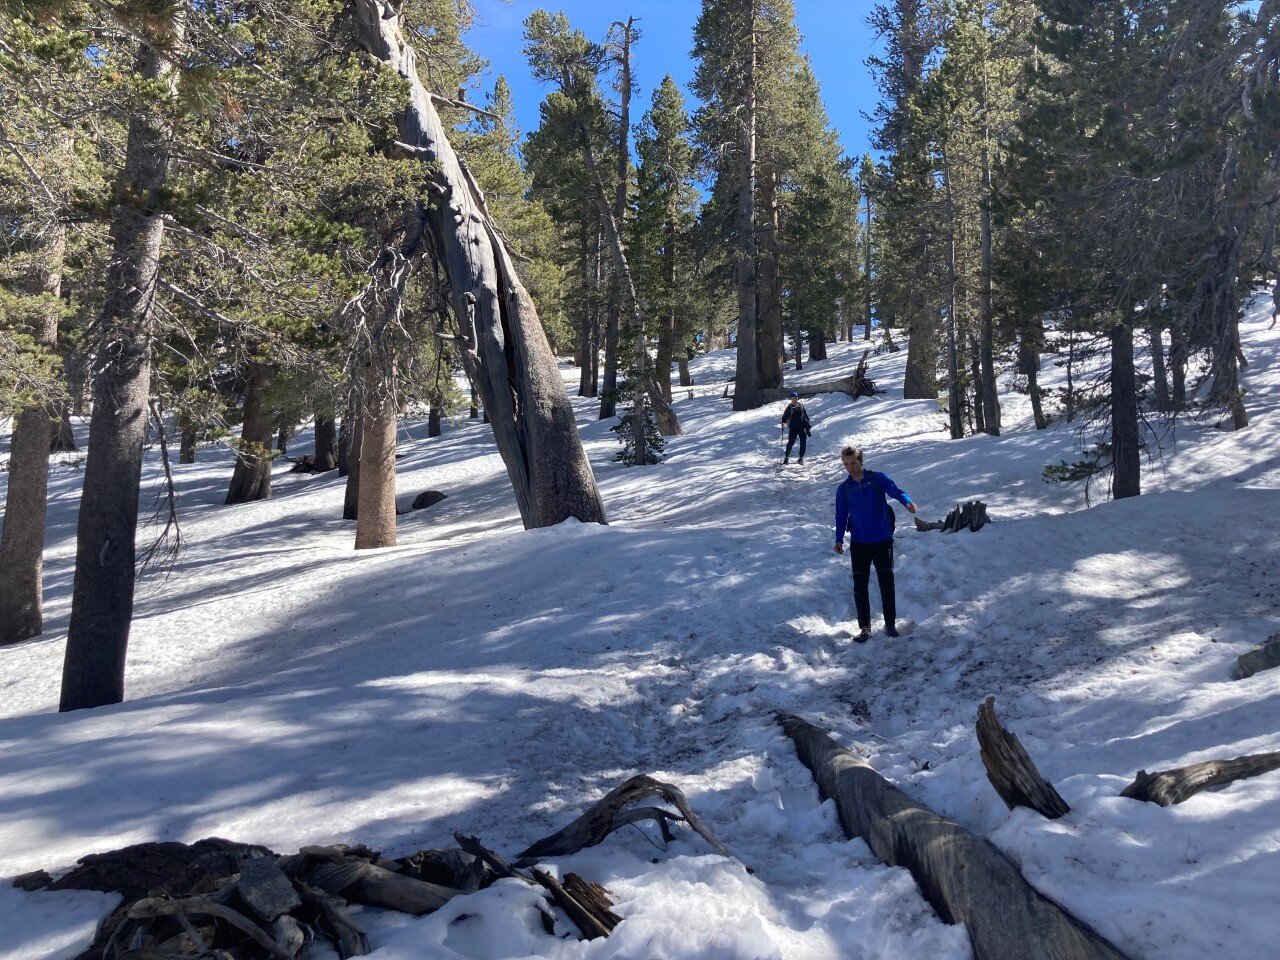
(286, 690)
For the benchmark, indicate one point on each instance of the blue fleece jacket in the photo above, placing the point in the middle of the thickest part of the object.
(861, 507)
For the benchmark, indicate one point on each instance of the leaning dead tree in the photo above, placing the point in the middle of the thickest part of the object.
(1011, 770)
(965, 878)
(502, 345)
(1167, 787)
(858, 384)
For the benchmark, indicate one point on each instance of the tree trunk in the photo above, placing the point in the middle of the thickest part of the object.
(1178, 369)
(686, 378)
(817, 343)
(667, 328)
(474, 411)
(345, 432)
(866, 269)
(953, 358)
(351, 495)
(285, 435)
(102, 595)
(975, 373)
(1028, 358)
(506, 353)
(62, 438)
(1126, 478)
(585, 320)
(187, 445)
(772, 347)
(595, 303)
(376, 514)
(251, 479)
(1159, 378)
(746, 384)
(22, 526)
(987, 381)
(609, 387)
(326, 454)
(433, 419)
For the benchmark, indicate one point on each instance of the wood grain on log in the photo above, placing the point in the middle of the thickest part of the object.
(1265, 657)
(156, 907)
(1011, 770)
(965, 878)
(348, 938)
(602, 819)
(592, 926)
(1167, 787)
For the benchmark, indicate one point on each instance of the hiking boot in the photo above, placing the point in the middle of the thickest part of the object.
(891, 631)
(863, 635)
(801, 461)
(785, 461)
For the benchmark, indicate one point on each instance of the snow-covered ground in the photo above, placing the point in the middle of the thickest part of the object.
(286, 690)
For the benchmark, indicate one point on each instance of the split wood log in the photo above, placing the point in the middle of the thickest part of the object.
(603, 818)
(594, 897)
(965, 878)
(153, 907)
(493, 861)
(1011, 770)
(592, 926)
(265, 889)
(289, 934)
(1167, 787)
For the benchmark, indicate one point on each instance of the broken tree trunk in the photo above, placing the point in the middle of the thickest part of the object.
(1265, 657)
(607, 815)
(1167, 787)
(1011, 770)
(504, 349)
(971, 516)
(965, 878)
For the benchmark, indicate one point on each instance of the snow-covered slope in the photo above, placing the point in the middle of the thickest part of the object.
(285, 690)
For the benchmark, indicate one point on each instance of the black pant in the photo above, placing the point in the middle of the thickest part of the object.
(863, 555)
(791, 440)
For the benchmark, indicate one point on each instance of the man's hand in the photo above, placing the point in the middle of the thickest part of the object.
(911, 508)
(840, 547)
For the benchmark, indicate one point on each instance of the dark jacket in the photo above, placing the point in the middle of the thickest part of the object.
(796, 417)
(861, 508)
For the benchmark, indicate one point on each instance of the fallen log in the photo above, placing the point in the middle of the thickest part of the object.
(359, 880)
(965, 878)
(969, 516)
(154, 907)
(1011, 770)
(606, 815)
(349, 939)
(593, 927)
(1265, 657)
(1167, 787)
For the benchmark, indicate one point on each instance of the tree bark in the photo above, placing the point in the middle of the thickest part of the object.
(746, 385)
(187, 445)
(866, 268)
(251, 479)
(102, 595)
(954, 413)
(771, 345)
(326, 452)
(1011, 770)
(1030, 367)
(987, 381)
(506, 353)
(376, 513)
(1126, 476)
(1178, 369)
(350, 415)
(686, 378)
(62, 438)
(356, 414)
(1159, 379)
(585, 320)
(22, 526)
(965, 878)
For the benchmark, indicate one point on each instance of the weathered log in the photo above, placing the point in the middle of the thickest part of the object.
(592, 926)
(349, 939)
(965, 878)
(856, 385)
(1265, 657)
(360, 881)
(602, 819)
(289, 934)
(266, 890)
(1167, 787)
(1011, 770)
(594, 898)
(179, 869)
(969, 516)
(156, 907)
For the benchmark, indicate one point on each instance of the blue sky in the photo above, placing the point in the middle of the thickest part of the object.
(835, 36)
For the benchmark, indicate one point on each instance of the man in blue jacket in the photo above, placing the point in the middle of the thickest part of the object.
(862, 510)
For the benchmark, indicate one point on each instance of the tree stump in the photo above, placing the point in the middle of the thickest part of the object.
(1167, 787)
(1011, 769)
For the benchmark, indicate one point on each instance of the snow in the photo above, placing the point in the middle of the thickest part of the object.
(286, 690)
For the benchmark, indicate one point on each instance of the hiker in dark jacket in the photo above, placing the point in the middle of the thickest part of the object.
(796, 419)
(862, 510)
